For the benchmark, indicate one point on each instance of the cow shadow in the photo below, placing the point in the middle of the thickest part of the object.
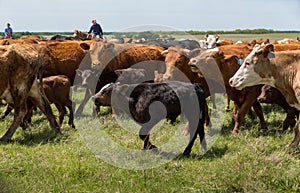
(211, 154)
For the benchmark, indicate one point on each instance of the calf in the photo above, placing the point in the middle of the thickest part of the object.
(56, 89)
(176, 97)
(273, 96)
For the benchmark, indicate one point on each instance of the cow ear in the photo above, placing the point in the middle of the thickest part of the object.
(85, 46)
(119, 72)
(195, 52)
(269, 51)
(123, 89)
(164, 53)
(79, 72)
(186, 52)
(206, 36)
(110, 45)
(217, 37)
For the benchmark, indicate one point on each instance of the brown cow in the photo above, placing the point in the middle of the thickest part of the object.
(177, 68)
(56, 89)
(108, 57)
(19, 68)
(228, 65)
(281, 72)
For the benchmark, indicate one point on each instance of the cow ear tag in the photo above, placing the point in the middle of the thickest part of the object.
(271, 55)
(240, 61)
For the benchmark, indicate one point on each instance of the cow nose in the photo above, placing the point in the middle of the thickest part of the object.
(193, 61)
(259, 100)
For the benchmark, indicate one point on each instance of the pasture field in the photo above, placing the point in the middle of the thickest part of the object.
(252, 161)
(247, 37)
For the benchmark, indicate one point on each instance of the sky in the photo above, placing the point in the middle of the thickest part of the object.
(135, 15)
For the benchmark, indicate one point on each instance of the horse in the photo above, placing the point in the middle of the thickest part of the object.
(82, 35)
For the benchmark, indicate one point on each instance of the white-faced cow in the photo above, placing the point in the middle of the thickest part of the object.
(282, 72)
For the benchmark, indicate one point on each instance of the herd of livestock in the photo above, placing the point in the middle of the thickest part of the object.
(131, 75)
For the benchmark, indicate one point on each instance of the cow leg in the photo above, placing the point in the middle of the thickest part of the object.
(289, 121)
(240, 116)
(207, 117)
(27, 118)
(144, 135)
(83, 103)
(70, 106)
(213, 100)
(259, 112)
(62, 111)
(296, 139)
(6, 112)
(20, 111)
(198, 131)
(42, 103)
(227, 108)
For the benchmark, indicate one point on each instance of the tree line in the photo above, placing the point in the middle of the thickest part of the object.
(160, 34)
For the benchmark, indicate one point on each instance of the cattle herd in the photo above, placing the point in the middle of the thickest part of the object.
(133, 75)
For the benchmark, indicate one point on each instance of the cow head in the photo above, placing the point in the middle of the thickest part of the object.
(103, 97)
(211, 40)
(176, 60)
(205, 62)
(101, 54)
(268, 94)
(255, 69)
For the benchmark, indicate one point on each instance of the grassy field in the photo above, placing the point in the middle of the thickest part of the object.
(252, 161)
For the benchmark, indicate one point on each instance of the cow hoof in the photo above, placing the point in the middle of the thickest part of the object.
(5, 140)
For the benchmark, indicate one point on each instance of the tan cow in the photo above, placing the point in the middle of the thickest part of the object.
(225, 60)
(281, 72)
(19, 68)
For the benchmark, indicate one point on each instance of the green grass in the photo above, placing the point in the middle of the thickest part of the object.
(252, 161)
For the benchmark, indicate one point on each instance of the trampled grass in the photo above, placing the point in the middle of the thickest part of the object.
(252, 161)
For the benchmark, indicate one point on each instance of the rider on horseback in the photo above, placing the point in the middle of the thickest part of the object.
(96, 29)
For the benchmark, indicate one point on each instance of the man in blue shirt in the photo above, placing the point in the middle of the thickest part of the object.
(96, 29)
(8, 31)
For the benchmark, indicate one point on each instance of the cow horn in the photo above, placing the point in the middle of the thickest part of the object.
(164, 52)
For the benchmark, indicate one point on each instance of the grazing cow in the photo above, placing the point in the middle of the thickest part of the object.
(174, 98)
(108, 57)
(212, 61)
(19, 68)
(272, 95)
(281, 72)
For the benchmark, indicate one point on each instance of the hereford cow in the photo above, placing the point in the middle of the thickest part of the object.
(224, 59)
(108, 57)
(19, 68)
(280, 70)
(272, 95)
(174, 98)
